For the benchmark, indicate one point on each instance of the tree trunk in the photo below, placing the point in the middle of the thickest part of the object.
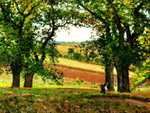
(123, 78)
(109, 78)
(119, 79)
(16, 80)
(16, 70)
(28, 80)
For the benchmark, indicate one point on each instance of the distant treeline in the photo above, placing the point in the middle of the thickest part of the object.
(67, 43)
(78, 51)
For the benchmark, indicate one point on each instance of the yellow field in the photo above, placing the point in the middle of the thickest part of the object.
(63, 49)
(81, 65)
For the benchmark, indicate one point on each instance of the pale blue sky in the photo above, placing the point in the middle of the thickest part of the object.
(76, 34)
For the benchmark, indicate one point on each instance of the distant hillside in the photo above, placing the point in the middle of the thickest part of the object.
(64, 46)
(67, 43)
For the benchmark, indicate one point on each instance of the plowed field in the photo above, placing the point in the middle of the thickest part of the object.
(81, 74)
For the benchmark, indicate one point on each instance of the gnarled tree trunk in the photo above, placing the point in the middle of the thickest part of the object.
(28, 80)
(16, 70)
(109, 78)
(123, 78)
(119, 78)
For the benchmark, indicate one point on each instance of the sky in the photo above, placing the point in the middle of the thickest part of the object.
(76, 34)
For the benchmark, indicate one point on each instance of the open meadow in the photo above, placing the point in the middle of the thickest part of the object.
(79, 93)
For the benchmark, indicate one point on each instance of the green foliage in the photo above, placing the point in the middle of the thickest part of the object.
(8, 45)
(91, 52)
(119, 24)
(110, 16)
(16, 27)
(142, 74)
(72, 54)
(85, 52)
(27, 33)
(28, 27)
(145, 69)
(142, 69)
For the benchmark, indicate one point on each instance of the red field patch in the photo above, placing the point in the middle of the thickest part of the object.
(81, 74)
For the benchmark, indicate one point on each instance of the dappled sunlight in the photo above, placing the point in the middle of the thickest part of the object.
(74, 56)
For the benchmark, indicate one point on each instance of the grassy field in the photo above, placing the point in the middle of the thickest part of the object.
(58, 100)
(63, 48)
(81, 65)
(74, 96)
(5, 78)
(5, 81)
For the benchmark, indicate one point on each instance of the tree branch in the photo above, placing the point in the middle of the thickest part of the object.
(46, 42)
(7, 14)
(93, 13)
(22, 13)
(117, 19)
(17, 6)
(106, 25)
(50, 35)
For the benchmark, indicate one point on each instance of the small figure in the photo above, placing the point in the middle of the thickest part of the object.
(103, 88)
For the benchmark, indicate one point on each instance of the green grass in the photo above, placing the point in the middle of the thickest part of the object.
(58, 100)
(6, 80)
(74, 96)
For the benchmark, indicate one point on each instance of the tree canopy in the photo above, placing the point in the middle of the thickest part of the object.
(28, 28)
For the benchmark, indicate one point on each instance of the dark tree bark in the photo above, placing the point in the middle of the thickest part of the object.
(109, 78)
(16, 70)
(28, 80)
(119, 78)
(123, 78)
(15, 79)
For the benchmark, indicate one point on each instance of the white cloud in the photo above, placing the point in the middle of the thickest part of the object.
(76, 34)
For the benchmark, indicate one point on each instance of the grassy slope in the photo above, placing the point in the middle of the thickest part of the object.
(82, 65)
(63, 49)
(6, 78)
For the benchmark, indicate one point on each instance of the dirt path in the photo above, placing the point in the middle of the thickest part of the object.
(127, 101)
(81, 74)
